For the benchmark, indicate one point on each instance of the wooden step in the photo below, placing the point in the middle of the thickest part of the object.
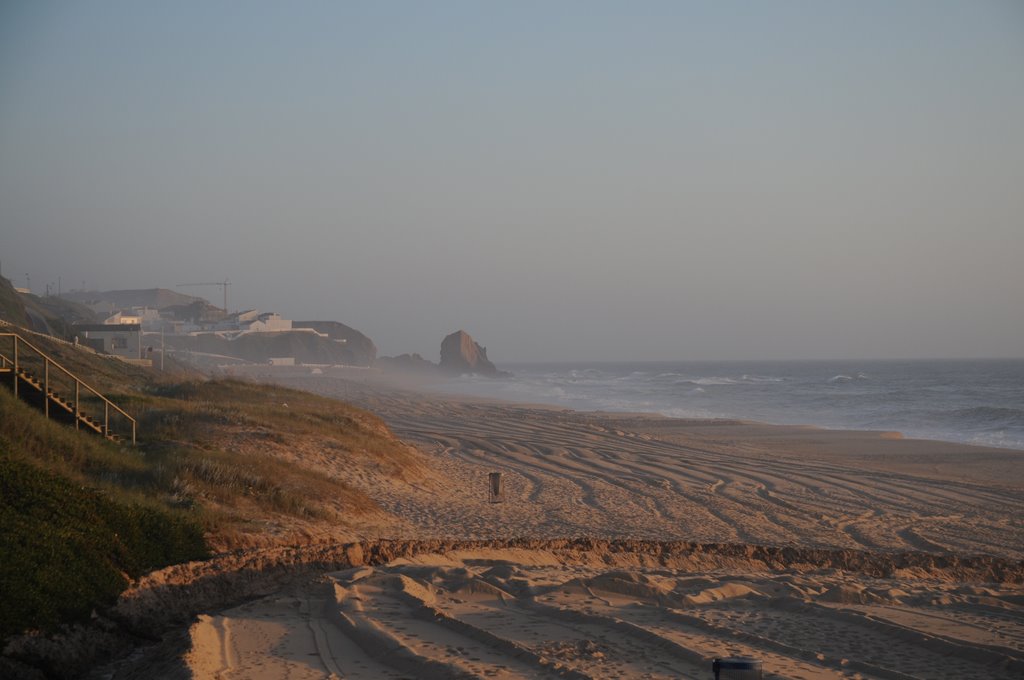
(66, 405)
(32, 382)
(91, 424)
(41, 396)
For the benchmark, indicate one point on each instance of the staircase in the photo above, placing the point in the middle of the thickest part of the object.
(35, 378)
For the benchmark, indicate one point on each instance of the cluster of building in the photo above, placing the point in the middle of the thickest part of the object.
(123, 333)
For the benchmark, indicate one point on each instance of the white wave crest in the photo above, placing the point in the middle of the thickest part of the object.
(714, 380)
(761, 378)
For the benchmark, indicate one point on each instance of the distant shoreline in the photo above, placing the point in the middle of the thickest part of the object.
(392, 398)
(440, 385)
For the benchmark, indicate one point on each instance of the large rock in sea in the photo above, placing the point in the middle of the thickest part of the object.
(460, 354)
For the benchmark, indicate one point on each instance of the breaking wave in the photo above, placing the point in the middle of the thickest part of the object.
(979, 402)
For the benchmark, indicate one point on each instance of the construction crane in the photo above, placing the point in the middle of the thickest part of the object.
(223, 284)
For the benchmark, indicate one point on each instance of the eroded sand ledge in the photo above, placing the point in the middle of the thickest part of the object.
(587, 608)
(181, 591)
(267, 613)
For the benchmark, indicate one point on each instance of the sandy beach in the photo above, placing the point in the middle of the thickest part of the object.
(529, 613)
(608, 475)
(542, 610)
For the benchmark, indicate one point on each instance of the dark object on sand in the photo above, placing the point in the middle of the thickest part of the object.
(495, 494)
(737, 668)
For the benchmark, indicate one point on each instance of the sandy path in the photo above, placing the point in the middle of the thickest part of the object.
(279, 637)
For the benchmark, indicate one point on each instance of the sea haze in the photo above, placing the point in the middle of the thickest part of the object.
(976, 402)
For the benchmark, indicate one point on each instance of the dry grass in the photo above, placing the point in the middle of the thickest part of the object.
(274, 415)
(222, 450)
(253, 453)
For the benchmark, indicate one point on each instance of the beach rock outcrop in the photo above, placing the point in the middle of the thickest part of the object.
(406, 363)
(461, 354)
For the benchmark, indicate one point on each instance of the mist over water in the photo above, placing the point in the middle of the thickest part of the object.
(976, 402)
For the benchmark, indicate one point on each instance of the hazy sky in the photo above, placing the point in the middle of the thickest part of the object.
(564, 180)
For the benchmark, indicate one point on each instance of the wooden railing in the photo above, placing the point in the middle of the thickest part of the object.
(25, 354)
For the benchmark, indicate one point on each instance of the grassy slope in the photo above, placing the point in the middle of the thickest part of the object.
(70, 497)
(227, 445)
(67, 548)
(12, 306)
(58, 313)
(69, 534)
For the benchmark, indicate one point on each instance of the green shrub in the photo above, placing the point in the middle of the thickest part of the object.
(65, 549)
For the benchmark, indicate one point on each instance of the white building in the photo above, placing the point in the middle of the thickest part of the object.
(252, 321)
(119, 339)
(268, 322)
(121, 318)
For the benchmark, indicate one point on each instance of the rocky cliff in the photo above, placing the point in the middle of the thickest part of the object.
(360, 349)
(461, 354)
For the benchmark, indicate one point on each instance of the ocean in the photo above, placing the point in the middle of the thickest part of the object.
(970, 401)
